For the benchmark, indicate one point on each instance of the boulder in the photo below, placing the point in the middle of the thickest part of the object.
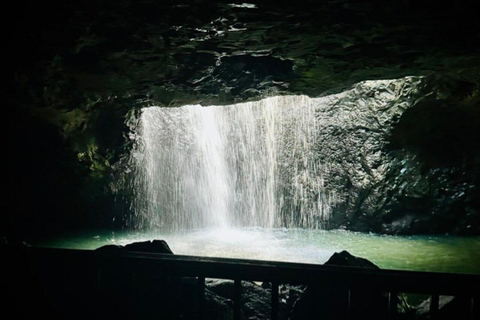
(317, 303)
(217, 307)
(256, 299)
(155, 246)
(345, 259)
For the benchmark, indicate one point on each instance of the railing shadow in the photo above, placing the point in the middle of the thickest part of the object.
(78, 284)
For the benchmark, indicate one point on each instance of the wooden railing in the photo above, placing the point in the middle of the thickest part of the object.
(391, 282)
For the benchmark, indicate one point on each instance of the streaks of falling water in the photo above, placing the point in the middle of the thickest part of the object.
(249, 164)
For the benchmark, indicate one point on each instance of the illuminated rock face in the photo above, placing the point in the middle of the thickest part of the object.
(285, 161)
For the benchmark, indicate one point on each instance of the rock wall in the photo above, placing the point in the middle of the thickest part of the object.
(401, 157)
(433, 181)
(76, 71)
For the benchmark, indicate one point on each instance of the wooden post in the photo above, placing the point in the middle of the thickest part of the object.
(274, 306)
(474, 307)
(200, 297)
(237, 298)
(349, 304)
(392, 305)
(434, 305)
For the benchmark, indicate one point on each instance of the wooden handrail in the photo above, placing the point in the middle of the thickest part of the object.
(389, 281)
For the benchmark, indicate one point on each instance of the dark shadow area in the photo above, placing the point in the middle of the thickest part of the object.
(134, 282)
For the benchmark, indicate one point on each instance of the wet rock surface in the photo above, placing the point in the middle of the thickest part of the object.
(154, 246)
(256, 299)
(77, 71)
(390, 164)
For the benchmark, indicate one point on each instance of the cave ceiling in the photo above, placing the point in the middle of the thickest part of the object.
(76, 55)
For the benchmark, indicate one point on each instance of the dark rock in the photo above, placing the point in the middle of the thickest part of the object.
(217, 307)
(255, 299)
(317, 303)
(449, 308)
(345, 259)
(418, 171)
(146, 295)
(432, 186)
(155, 246)
(9, 243)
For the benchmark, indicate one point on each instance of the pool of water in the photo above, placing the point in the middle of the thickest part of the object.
(422, 253)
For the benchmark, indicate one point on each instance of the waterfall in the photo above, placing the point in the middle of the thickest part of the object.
(249, 164)
(285, 161)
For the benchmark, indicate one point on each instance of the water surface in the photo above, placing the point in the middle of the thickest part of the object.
(421, 253)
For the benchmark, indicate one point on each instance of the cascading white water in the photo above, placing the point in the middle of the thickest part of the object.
(239, 165)
(284, 161)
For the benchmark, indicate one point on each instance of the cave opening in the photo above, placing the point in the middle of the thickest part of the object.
(283, 131)
(285, 178)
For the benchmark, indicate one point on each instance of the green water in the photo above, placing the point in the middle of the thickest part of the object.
(422, 253)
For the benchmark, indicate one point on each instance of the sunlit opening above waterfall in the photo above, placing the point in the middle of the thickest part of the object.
(282, 161)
